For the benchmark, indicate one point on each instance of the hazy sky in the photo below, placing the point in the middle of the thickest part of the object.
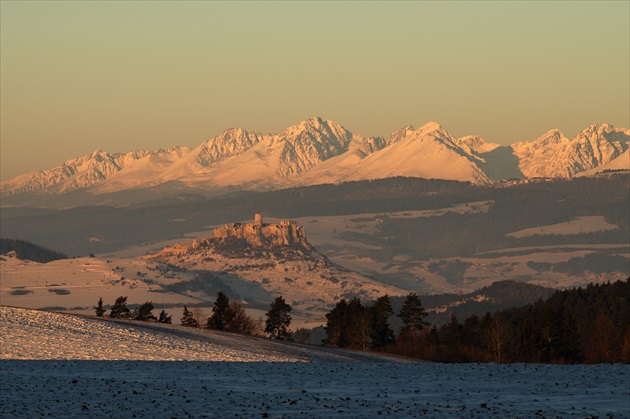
(77, 76)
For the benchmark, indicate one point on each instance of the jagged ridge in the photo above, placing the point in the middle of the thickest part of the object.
(319, 151)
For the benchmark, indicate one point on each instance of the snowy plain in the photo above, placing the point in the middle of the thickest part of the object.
(95, 368)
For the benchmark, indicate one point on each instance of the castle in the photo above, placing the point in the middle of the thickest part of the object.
(286, 233)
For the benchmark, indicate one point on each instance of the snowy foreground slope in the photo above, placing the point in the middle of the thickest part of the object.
(32, 334)
(369, 388)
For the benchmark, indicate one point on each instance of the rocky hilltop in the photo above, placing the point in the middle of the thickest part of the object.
(255, 262)
(285, 233)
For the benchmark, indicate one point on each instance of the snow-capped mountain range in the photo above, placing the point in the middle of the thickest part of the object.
(319, 151)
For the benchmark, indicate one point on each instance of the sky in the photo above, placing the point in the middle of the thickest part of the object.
(119, 76)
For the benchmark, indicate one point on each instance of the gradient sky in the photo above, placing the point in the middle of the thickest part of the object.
(78, 76)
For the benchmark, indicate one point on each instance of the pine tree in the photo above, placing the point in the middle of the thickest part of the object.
(164, 318)
(144, 312)
(336, 328)
(99, 308)
(412, 314)
(222, 314)
(278, 319)
(119, 309)
(381, 334)
(187, 319)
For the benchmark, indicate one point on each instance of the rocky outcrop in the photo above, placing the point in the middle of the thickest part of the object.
(285, 233)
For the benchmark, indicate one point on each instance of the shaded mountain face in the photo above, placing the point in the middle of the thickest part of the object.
(317, 151)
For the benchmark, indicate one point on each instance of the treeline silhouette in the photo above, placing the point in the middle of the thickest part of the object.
(29, 251)
(581, 325)
(498, 296)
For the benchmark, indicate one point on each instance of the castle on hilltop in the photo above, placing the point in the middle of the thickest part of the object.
(286, 233)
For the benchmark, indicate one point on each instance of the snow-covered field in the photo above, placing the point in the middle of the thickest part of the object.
(207, 382)
(309, 390)
(80, 282)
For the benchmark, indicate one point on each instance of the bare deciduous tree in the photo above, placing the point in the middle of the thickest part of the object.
(242, 323)
(496, 335)
(199, 315)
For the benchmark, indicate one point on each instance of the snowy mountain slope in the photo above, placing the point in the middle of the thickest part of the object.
(553, 155)
(141, 173)
(202, 160)
(73, 174)
(318, 151)
(427, 152)
(474, 145)
(620, 163)
(337, 168)
(280, 157)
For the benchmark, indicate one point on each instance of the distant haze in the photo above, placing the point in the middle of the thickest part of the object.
(119, 76)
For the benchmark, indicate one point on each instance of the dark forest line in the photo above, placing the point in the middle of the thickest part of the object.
(581, 325)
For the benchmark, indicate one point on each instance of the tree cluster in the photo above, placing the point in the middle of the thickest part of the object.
(25, 250)
(120, 310)
(350, 324)
(583, 325)
(230, 316)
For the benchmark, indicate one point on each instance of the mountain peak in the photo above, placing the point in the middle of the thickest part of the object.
(401, 133)
(315, 123)
(430, 127)
(597, 128)
(553, 136)
(318, 129)
(231, 142)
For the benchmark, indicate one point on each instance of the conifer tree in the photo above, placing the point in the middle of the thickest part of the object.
(119, 309)
(99, 308)
(164, 318)
(187, 318)
(412, 314)
(381, 334)
(222, 314)
(278, 319)
(144, 312)
(336, 330)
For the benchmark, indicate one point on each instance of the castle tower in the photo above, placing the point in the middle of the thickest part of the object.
(258, 220)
